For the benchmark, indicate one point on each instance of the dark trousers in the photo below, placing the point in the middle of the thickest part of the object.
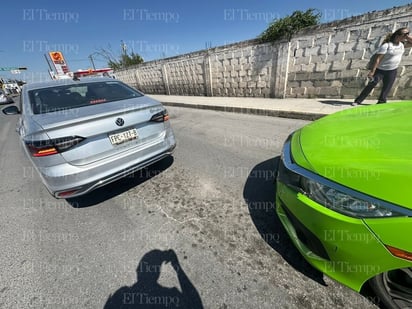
(388, 79)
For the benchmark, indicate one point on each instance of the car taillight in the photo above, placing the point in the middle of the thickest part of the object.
(160, 117)
(52, 146)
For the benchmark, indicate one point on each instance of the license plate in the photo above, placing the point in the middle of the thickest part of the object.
(122, 137)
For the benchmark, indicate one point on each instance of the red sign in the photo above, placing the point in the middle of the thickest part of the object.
(59, 62)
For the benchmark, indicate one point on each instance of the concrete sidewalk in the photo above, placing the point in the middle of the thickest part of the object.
(308, 109)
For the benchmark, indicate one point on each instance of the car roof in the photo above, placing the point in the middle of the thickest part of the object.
(63, 82)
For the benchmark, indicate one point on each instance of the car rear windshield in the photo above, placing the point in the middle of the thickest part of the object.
(51, 99)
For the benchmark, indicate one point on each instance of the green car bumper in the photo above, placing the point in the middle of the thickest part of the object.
(341, 247)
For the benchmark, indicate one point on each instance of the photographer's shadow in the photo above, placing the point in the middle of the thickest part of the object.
(148, 293)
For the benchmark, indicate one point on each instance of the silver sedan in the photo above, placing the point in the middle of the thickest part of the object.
(83, 134)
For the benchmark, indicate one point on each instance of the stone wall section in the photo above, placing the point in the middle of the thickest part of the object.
(242, 70)
(325, 61)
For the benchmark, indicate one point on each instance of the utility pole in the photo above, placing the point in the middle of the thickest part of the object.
(92, 61)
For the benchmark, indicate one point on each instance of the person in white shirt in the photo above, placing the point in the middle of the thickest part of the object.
(386, 64)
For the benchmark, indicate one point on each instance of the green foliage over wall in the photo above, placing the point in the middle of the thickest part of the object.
(286, 27)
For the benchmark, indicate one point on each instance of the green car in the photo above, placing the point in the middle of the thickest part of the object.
(344, 195)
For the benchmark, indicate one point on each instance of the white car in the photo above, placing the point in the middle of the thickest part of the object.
(4, 99)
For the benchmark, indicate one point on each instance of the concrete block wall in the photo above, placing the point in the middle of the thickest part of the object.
(242, 70)
(329, 60)
(326, 61)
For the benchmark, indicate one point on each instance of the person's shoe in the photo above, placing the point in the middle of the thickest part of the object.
(380, 102)
(355, 103)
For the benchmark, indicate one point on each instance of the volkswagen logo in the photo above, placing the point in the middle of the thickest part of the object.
(119, 122)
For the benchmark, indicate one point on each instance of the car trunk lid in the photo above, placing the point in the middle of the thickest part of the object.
(107, 129)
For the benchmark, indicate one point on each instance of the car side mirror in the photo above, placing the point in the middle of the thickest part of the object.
(11, 110)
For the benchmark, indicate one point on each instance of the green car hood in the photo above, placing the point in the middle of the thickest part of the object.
(367, 148)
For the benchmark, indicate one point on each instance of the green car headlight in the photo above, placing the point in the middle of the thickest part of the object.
(344, 203)
(333, 195)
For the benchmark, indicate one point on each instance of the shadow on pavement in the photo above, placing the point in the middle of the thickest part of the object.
(120, 186)
(148, 293)
(335, 102)
(259, 194)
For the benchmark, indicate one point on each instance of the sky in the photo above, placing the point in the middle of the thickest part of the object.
(154, 29)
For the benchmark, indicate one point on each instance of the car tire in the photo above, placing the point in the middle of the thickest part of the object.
(394, 288)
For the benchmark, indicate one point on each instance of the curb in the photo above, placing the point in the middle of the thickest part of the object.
(251, 111)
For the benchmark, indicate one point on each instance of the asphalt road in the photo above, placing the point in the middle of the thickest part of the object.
(211, 203)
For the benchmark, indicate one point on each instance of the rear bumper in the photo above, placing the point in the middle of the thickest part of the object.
(67, 181)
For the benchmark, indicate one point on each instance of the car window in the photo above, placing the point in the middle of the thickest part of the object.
(46, 100)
